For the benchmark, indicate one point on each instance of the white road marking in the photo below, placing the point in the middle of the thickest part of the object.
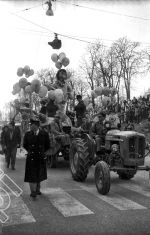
(135, 188)
(18, 212)
(115, 200)
(65, 203)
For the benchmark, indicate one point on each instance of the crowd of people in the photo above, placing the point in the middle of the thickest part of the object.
(134, 110)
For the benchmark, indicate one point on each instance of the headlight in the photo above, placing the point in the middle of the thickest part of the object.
(115, 148)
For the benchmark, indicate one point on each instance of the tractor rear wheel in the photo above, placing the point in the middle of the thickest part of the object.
(102, 177)
(126, 175)
(79, 160)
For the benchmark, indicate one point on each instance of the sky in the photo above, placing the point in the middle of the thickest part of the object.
(25, 34)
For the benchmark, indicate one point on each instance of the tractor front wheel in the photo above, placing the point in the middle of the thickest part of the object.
(102, 177)
(126, 175)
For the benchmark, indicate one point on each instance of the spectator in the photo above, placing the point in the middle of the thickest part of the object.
(11, 140)
(129, 127)
(4, 130)
(80, 110)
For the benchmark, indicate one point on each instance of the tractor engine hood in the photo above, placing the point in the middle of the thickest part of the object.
(118, 133)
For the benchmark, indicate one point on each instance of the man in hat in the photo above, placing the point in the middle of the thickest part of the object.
(80, 110)
(98, 130)
(11, 140)
(36, 142)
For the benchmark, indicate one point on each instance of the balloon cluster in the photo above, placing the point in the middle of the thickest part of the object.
(57, 95)
(30, 87)
(107, 94)
(25, 71)
(104, 91)
(60, 60)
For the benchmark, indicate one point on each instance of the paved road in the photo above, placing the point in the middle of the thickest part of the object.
(68, 207)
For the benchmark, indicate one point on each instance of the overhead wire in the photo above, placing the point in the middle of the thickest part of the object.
(90, 8)
(63, 35)
(78, 38)
(106, 11)
(29, 8)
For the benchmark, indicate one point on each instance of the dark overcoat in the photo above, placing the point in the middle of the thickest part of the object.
(9, 142)
(36, 146)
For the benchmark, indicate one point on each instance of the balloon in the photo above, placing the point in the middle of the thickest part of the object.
(17, 103)
(16, 88)
(90, 107)
(65, 61)
(105, 101)
(71, 95)
(62, 55)
(26, 69)
(28, 89)
(43, 91)
(35, 85)
(59, 96)
(51, 95)
(20, 71)
(113, 91)
(58, 65)
(106, 91)
(23, 82)
(54, 57)
(98, 91)
(86, 101)
(13, 92)
(31, 72)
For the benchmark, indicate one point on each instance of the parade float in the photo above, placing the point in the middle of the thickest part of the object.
(54, 96)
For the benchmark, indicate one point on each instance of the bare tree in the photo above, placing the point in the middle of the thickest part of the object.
(129, 59)
(78, 85)
(146, 57)
(46, 76)
(89, 66)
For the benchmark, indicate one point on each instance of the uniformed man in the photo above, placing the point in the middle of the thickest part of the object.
(36, 142)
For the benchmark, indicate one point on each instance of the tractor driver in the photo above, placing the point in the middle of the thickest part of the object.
(99, 131)
(57, 125)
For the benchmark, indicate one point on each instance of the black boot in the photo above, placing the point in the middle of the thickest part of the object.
(33, 195)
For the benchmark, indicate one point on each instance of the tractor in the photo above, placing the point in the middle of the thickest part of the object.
(123, 152)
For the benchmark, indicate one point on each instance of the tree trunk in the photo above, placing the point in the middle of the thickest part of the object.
(128, 93)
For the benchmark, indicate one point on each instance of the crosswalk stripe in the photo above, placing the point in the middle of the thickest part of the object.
(115, 200)
(65, 203)
(135, 188)
(18, 212)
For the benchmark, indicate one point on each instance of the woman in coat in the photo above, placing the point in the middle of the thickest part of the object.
(36, 142)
